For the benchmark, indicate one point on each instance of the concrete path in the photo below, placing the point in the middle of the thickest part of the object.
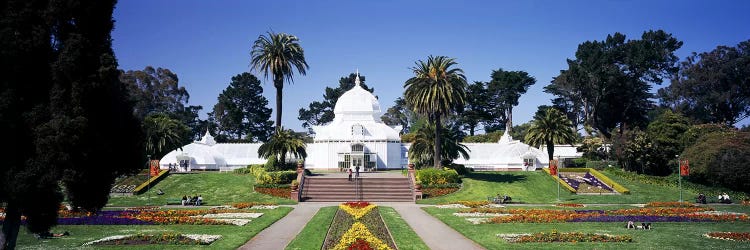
(283, 231)
(433, 232)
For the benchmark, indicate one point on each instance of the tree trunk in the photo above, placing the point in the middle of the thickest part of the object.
(550, 150)
(509, 124)
(11, 225)
(278, 82)
(438, 146)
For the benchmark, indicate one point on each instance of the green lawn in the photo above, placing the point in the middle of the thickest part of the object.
(314, 233)
(663, 235)
(215, 188)
(232, 236)
(539, 187)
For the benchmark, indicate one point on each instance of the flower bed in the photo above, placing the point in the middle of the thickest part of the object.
(435, 192)
(149, 216)
(358, 225)
(571, 237)
(241, 205)
(148, 239)
(282, 192)
(659, 214)
(734, 236)
(472, 204)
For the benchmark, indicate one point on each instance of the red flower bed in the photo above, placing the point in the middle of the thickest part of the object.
(278, 192)
(242, 205)
(435, 192)
(737, 236)
(360, 244)
(357, 204)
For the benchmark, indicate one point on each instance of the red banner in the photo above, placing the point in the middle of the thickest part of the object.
(553, 167)
(684, 168)
(154, 168)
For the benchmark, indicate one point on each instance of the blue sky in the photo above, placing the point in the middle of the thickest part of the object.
(207, 42)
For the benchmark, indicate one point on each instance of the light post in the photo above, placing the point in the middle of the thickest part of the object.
(679, 175)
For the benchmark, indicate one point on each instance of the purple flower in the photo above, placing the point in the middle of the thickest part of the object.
(639, 218)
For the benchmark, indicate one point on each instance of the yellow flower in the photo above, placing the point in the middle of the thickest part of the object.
(359, 231)
(357, 212)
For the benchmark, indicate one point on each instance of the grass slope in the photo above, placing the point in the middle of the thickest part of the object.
(215, 188)
(232, 236)
(663, 235)
(539, 187)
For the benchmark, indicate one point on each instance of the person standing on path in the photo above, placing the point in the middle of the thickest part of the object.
(350, 174)
(357, 174)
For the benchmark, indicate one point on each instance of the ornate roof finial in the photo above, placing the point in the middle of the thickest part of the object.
(356, 80)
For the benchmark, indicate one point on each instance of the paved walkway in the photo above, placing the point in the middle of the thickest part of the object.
(433, 232)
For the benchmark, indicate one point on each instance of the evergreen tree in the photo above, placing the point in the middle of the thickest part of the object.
(64, 109)
(242, 111)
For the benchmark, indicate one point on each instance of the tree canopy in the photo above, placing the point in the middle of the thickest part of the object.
(319, 113)
(242, 112)
(712, 87)
(64, 109)
(399, 114)
(611, 79)
(278, 55)
(550, 129)
(504, 90)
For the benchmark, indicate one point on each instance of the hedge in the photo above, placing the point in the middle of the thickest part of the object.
(151, 182)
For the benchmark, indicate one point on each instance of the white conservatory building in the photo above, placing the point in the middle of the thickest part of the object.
(355, 137)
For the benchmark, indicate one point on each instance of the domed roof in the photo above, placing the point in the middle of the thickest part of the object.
(357, 104)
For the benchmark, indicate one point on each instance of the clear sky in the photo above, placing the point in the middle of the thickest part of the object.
(207, 42)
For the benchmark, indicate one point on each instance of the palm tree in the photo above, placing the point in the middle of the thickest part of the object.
(281, 143)
(436, 91)
(421, 151)
(163, 134)
(551, 128)
(278, 54)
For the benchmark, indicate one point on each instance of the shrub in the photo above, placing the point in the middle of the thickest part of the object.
(277, 177)
(432, 176)
(460, 169)
(599, 165)
(271, 164)
(719, 159)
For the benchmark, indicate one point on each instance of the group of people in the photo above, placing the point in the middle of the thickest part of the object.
(631, 225)
(502, 200)
(350, 173)
(723, 198)
(195, 200)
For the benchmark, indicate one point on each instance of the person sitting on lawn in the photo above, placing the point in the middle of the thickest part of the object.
(199, 200)
(630, 225)
(506, 199)
(184, 200)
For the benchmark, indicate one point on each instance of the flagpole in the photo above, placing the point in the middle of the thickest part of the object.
(679, 172)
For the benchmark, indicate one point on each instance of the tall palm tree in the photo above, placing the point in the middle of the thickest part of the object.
(281, 143)
(422, 149)
(551, 128)
(436, 91)
(278, 54)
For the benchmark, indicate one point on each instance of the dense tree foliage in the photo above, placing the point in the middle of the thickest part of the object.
(504, 90)
(611, 79)
(477, 108)
(720, 159)
(436, 91)
(319, 113)
(712, 87)
(278, 55)
(553, 128)
(399, 114)
(241, 112)
(64, 109)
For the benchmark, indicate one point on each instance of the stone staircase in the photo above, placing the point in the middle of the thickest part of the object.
(371, 189)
